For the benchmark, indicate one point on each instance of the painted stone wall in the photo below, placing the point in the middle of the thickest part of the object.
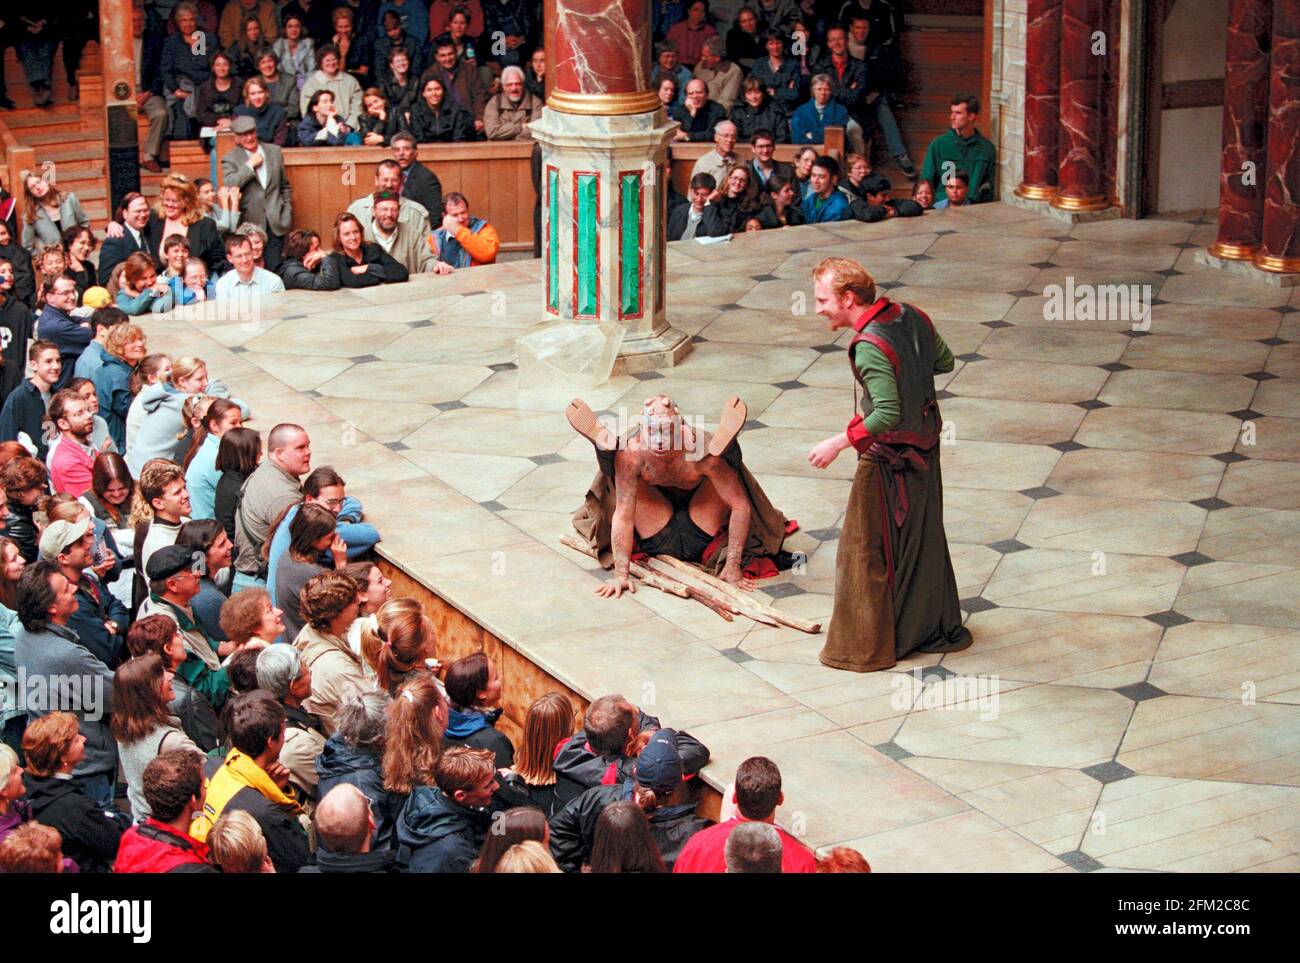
(1008, 86)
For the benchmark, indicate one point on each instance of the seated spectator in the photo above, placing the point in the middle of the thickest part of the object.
(753, 848)
(474, 688)
(245, 281)
(548, 724)
(283, 91)
(739, 201)
(250, 778)
(963, 147)
(49, 212)
(507, 114)
(356, 263)
(356, 52)
(172, 789)
(23, 416)
(722, 160)
(378, 122)
(401, 87)
(923, 194)
(757, 113)
(271, 118)
(404, 243)
(764, 165)
(25, 483)
(956, 190)
(442, 827)
(311, 532)
(690, 34)
(757, 794)
(623, 843)
(436, 118)
(417, 718)
(878, 205)
(237, 844)
(173, 583)
(777, 73)
(667, 65)
(654, 786)
(99, 620)
(251, 41)
(519, 825)
(329, 605)
(282, 672)
(300, 263)
(744, 39)
(160, 635)
(218, 96)
(322, 125)
(535, 73)
(842, 859)
(211, 549)
(781, 205)
(399, 645)
(824, 203)
(809, 122)
(395, 37)
(697, 114)
(345, 829)
(803, 163)
(604, 751)
(389, 179)
(297, 53)
(464, 241)
(414, 17)
(237, 457)
(667, 91)
(141, 291)
(184, 67)
(331, 77)
(354, 756)
(721, 76)
(271, 488)
(124, 354)
(699, 218)
(142, 725)
(53, 747)
(34, 848)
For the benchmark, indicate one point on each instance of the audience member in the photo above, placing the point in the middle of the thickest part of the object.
(345, 828)
(270, 489)
(549, 724)
(690, 34)
(956, 191)
(270, 119)
(721, 76)
(697, 115)
(357, 263)
(237, 844)
(300, 265)
(118, 379)
(758, 113)
(265, 194)
(877, 204)
(178, 211)
(604, 751)
(100, 620)
(823, 202)
(778, 74)
(329, 605)
(474, 688)
(322, 125)
(172, 789)
(744, 39)
(435, 117)
(962, 147)
(753, 848)
(218, 96)
(34, 848)
(623, 843)
(388, 180)
(49, 212)
(378, 122)
(669, 67)
(330, 76)
(296, 50)
(514, 826)
(464, 241)
(809, 122)
(407, 246)
(354, 756)
(133, 215)
(506, 115)
(210, 552)
(442, 827)
(282, 672)
(25, 482)
(142, 724)
(722, 159)
(160, 635)
(201, 473)
(400, 645)
(842, 859)
(418, 183)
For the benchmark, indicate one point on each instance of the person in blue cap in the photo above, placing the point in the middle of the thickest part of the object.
(654, 787)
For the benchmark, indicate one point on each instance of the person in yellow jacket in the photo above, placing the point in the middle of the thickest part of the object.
(250, 778)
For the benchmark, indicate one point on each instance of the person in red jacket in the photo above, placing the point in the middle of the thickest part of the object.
(174, 790)
(757, 794)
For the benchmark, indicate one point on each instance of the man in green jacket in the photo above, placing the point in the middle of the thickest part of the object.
(962, 148)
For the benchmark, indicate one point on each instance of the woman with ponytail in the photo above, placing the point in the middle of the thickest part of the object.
(200, 464)
(398, 644)
(417, 718)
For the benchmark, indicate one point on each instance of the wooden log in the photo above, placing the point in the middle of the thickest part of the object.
(672, 586)
(740, 596)
(749, 608)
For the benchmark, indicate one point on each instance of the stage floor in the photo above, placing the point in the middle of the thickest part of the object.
(1128, 559)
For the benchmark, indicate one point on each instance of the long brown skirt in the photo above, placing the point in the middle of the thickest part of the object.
(873, 625)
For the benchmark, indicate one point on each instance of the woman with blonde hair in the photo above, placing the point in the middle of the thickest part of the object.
(398, 645)
(548, 724)
(125, 349)
(417, 718)
(236, 844)
(529, 856)
(178, 211)
(142, 723)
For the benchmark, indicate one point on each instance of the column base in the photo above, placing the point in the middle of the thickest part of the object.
(1080, 205)
(1226, 251)
(667, 350)
(1036, 192)
(1247, 269)
(1276, 265)
(1069, 217)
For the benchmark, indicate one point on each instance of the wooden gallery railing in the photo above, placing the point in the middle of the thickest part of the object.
(17, 157)
(496, 176)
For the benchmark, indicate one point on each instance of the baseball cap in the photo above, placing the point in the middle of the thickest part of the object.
(58, 536)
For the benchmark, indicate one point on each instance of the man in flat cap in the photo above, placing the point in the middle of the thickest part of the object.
(174, 572)
(265, 197)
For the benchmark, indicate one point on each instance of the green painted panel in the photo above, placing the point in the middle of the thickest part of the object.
(630, 246)
(553, 239)
(587, 242)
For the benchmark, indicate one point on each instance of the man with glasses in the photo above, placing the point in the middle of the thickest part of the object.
(722, 160)
(764, 164)
(57, 325)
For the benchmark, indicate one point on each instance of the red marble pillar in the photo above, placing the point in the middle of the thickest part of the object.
(1245, 129)
(598, 54)
(1042, 99)
(1081, 150)
(1280, 239)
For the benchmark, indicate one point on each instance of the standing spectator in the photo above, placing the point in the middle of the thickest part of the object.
(462, 240)
(201, 474)
(109, 498)
(311, 532)
(142, 724)
(757, 794)
(357, 263)
(508, 113)
(45, 646)
(23, 415)
(249, 620)
(269, 490)
(419, 183)
(178, 211)
(398, 644)
(744, 39)
(251, 779)
(209, 545)
(49, 212)
(353, 756)
(548, 725)
(753, 848)
(962, 147)
(474, 688)
(24, 277)
(510, 21)
(691, 33)
(256, 168)
(296, 50)
(413, 737)
(92, 358)
(698, 116)
(15, 331)
(519, 825)
(388, 179)
(623, 843)
(604, 751)
(345, 826)
(147, 42)
(406, 246)
(282, 672)
(237, 457)
(26, 483)
(13, 716)
(330, 76)
(141, 291)
(173, 792)
(184, 67)
(72, 418)
(237, 13)
(329, 606)
(79, 243)
(722, 76)
(161, 506)
(237, 844)
(842, 859)
(441, 827)
(758, 113)
(133, 215)
(270, 120)
(160, 635)
(124, 350)
(100, 620)
(37, 37)
(173, 584)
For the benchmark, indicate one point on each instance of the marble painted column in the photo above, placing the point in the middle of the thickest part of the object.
(605, 167)
(1279, 249)
(1079, 166)
(1245, 130)
(1042, 100)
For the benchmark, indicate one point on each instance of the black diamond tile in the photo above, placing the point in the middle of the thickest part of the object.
(1261, 376)
(1133, 333)
(1185, 245)
(504, 366)
(364, 358)
(1230, 457)
(893, 750)
(1042, 264)
(971, 356)
(1169, 273)
(944, 230)
(396, 446)
(1041, 491)
(919, 257)
(238, 348)
(934, 673)
(699, 339)
(1081, 861)
(737, 655)
(1159, 301)
(943, 394)
(977, 603)
(550, 458)
(1062, 238)
(1246, 414)
(647, 375)
(764, 277)
(450, 405)
(827, 348)
(1212, 504)
(784, 591)
(730, 307)
(1024, 293)
(1140, 691)
(1092, 404)
(789, 385)
(1114, 366)
(1167, 620)
(1191, 559)
(996, 324)
(889, 285)
(1108, 772)
(426, 323)
(313, 393)
(1273, 342)
(1008, 545)
(824, 534)
(493, 506)
(294, 317)
(752, 425)
(1064, 446)
(799, 250)
(1287, 309)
